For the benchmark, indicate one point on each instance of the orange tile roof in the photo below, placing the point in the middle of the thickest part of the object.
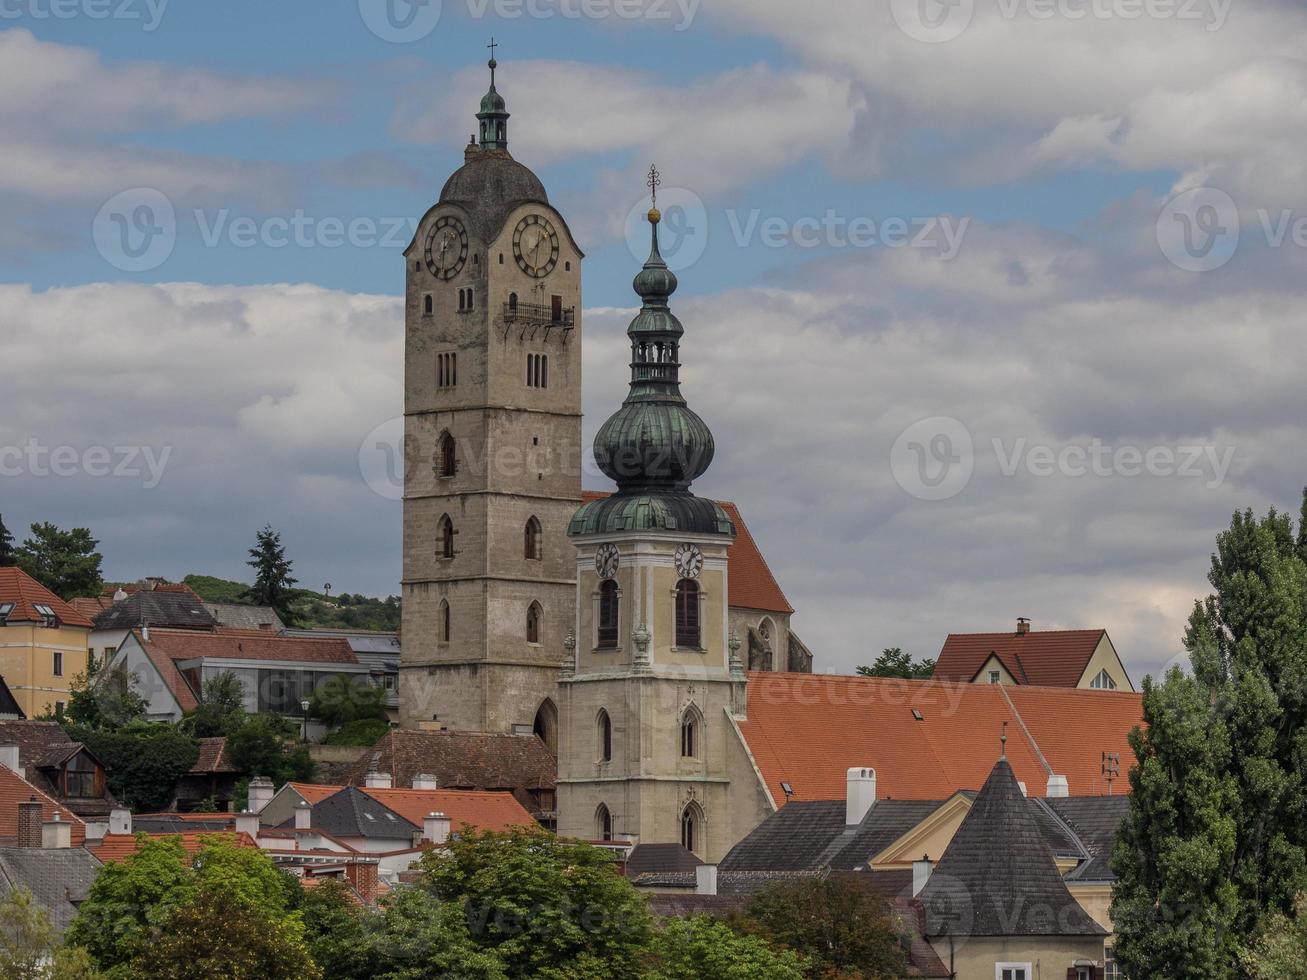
(808, 730)
(315, 792)
(480, 809)
(251, 645)
(116, 847)
(24, 592)
(14, 789)
(1045, 658)
(90, 607)
(751, 583)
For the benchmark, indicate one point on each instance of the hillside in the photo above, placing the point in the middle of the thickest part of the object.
(313, 609)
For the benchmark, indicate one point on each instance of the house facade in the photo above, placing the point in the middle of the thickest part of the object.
(43, 644)
(1084, 659)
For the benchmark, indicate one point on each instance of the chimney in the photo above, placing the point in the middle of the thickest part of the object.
(303, 815)
(145, 632)
(921, 874)
(9, 759)
(435, 828)
(1023, 626)
(57, 833)
(425, 781)
(1057, 787)
(29, 823)
(705, 879)
(377, 780)
(120, 820)
(248, 823)
(362, 874)
(860, 795)
(260, 793)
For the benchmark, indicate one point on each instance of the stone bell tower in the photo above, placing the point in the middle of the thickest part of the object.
(647, 699)
(492, 430)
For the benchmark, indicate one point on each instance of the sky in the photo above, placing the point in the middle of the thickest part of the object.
(995, 307)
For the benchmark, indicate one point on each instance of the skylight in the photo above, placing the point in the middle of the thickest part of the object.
(5, 609)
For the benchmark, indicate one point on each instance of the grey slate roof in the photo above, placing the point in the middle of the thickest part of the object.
(58, 878)
(654, 858)
(1096, 820)
(240, 616)
(179, 610)
(997, 877)
(353, 813)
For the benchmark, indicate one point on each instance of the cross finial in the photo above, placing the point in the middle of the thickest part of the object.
(492, 45)
(652, 183)
(492, 63)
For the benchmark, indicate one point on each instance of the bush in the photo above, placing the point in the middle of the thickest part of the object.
(143, 761)
(364, 732)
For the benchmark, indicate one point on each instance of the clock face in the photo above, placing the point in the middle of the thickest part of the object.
(606, 560)
(689, 561)
(535, 245)
(446, 247)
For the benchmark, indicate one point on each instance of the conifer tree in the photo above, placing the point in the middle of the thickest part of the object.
(272, 581)
(8, 556)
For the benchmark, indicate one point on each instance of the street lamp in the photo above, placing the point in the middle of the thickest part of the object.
(304, 707)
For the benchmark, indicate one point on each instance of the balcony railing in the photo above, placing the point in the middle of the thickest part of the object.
(540, 315)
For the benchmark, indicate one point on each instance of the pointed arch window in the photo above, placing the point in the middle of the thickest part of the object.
(448, 455)
(603, 823)
(691, 827)
(532, 545)
(690, 728)
(445, 624)
(604, 736)
(687, 614)
(512, 302)
(546, 724)
(533, 616)
(609, 610)
(446, 537)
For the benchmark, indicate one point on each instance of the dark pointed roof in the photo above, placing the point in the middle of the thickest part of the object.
(998, 877)
(156, 607)
(353, 813)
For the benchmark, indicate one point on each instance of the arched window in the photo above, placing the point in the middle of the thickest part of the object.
(609, 603)
(546, 724)
(533, 614)
(690, 734)
(691, 826)
(448, 455)
(604, 736)
(687, 613)
(462, 300)
(445, 624)
(531, 543)
(426, 305)
(446, 537)
(469, 298)
(512, 302)
(603, 823)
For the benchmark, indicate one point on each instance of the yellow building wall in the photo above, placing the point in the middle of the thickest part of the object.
(1105, 658)
(27, 664)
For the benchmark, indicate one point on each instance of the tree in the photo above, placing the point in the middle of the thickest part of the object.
(214, 933)
(143, 760)
(839, 923)
(549, 907)
(267, 745)
(106, 701)
(893, 662)
(340, 700)
(272, 581)
(688, 949)
(8, 556)
(338, 936)
(222, 707)
(29, 946)
(423, 937)
(1280, 952)
(65, 562)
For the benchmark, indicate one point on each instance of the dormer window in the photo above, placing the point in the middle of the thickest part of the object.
(5, 609)
(48, 617)
(995, 677)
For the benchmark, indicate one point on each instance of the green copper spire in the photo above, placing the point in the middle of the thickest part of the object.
(494, 112)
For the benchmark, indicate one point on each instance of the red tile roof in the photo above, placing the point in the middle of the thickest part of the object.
(482, 809)
(116, 847)
(90, 607)
(751, 583)
(1045, 658)
(213, 757)
(315, 792)
(14, 790)
(24, 592)
(807, 730)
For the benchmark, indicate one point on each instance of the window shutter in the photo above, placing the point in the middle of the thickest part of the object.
(1071, 974)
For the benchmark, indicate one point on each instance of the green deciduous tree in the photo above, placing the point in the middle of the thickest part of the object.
(546, 905)
(29, 947)
(338, 933)
(267, 745)
(893, 662)
(689, 949)
(143, 760)
(8, 555)
(65, 562)
(1280, 952)
(421, 937)
(340, 700)
(272, 578)
(221, 710)
(105, 699)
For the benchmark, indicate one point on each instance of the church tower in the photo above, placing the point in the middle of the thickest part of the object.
(648, 699)
(492, 431)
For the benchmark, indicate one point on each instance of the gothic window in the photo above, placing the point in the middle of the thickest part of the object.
(448, 455)
(462, 300)
(537, 370)
(1103, 682)
(446, 370)
(533, 614)
(512, 302)
(690, 734)
(604, 736)
(603, 823)
(687, 613)
(546, 726)
(446, 537)
(445, 623)
(426, 305)
(608, 614)
(691, 825)
(531, 545)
